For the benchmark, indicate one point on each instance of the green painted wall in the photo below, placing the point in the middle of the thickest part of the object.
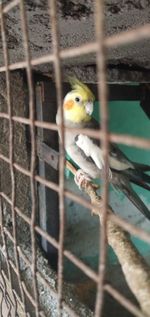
(125, 117)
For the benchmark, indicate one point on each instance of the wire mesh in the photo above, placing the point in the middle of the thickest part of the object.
(99, 46)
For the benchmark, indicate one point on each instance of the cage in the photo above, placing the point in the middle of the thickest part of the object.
(66, 251)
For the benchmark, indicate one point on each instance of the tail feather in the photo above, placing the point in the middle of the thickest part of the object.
(121, 181)
(141, 184)
(145, 177)
(141, 167)
(135, 199)
(139, 178)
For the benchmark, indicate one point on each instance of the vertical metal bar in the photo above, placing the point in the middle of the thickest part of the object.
(33, 149)
(6, 249)
(102, 91)
(57, 65)
(48, 198)
(11, 150)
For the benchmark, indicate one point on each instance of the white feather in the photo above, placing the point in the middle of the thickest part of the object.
(91, 150)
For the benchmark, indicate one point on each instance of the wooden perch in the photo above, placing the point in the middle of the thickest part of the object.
(136, 271)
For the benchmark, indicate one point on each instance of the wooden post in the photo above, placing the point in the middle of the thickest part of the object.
(46, 108)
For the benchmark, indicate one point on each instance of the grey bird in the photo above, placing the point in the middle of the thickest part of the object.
(86, 152)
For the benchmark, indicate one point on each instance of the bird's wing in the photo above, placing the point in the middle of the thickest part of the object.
(83, 161)
(117, 159)
(93, 150)
(90, 149)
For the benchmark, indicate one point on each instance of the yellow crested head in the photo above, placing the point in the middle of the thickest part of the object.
(78, 86)
(78, 103)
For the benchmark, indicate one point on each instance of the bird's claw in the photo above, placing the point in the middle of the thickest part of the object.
(81, 177)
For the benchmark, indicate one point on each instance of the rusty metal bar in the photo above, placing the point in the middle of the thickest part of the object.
(11, 150)
(17, 298)
(70, 311)
(33, 148)
(132, 229)
(23, 216)
(17, 210)
(121, 222)
(30, 297)
(130, 140)
(49, 184)
(4, 115)
(41, 277)
(69, 255)
(128, 37)
(46, 283)
(9, 234)
(82, 266)
(9, 6)
(123, 301)
(25, 291)
(53, 186)
(4, 158)
(5, 244)
(116, 138)
(14, 267)
(58, 76)
(113, 292)
(47, 237)
(103, 95)
(122, 38)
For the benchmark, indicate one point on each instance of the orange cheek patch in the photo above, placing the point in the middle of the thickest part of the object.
(68, 104)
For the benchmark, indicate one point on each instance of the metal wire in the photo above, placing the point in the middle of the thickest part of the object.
(112, 137)
(33, 149)
(112, 291)
(11, 152)
(102, 91)
(122, 38)
(99, 47)
(143, 235)
(57, 67)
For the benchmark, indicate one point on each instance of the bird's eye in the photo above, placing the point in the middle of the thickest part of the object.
(77, 99)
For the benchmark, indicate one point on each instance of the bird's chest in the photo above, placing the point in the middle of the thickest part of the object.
(70, 138)
(70, 135)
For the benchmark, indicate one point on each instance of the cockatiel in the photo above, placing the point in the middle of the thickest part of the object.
(86, 152)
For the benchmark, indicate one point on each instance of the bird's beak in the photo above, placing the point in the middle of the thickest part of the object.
(89, 107)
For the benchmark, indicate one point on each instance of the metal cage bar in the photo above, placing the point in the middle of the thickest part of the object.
(11, 151)
(33, 148)
(99, 47)
(103, 94)
(112, 137)
(122, 38)
(111, 290)
(57, 68)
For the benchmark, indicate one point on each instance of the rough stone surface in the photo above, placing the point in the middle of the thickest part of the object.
(47, 298)
(76, 22)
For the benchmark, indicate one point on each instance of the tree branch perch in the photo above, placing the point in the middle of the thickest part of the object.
(134, 267)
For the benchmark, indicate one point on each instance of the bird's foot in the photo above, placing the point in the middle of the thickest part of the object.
(81, 177)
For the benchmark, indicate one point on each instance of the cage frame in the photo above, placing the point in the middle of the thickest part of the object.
(99, 46)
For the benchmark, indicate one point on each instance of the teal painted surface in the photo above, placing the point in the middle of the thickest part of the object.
(124, 118)
(127, 117)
